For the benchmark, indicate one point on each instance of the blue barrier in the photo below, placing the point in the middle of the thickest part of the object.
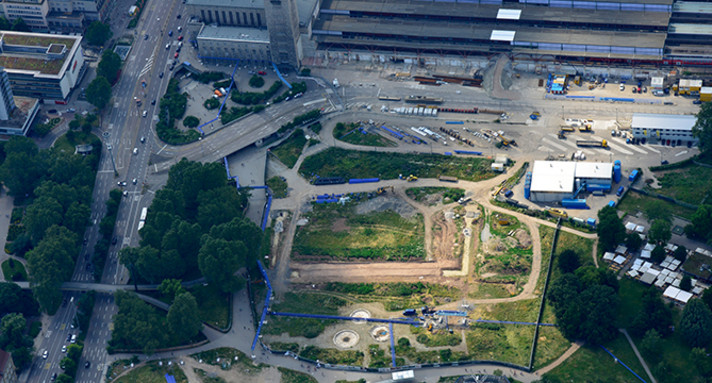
(280, 76)
(170, 379)
(468, 152)
(362, 180)
(319, 316)
(448, 153)
(623, 364)
(396, 134)
(511, 322)
(454, 122)
(266, 213)
(227, 168)
(232, 82)
(258, 187)
(265, 309)
(582, 97)
(393, 346)
(329, 200)
(619, 99)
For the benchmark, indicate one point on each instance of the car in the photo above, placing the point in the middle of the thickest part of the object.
(175, 55)
(125, 193)
(143, 140)
(170, 33)
(71, 110)
(635, 90)
(178, 49)
(87, 364)
(134, 181)
(145, 113)
(180, 38)
(180, 28)
(287, 99)
(45, 354)
(160, 75)
(168, 46)
(135, 151)
(108, 146)
(54, 377)
(121, 183)
(145, 37)
(114, 240)
(74, 336)
(697, 102)
(52, 111)
(620, 190)
(621, 87)
(171, 67)
(69, 337)
(64, 348)
(645, 89)
(153, 102)
(300, 94)
(179, 16)
(261, 73)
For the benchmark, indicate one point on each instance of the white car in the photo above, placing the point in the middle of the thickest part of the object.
(45, 354)
(145, 113)
(622, 87)
(135, 151)
(64, 348)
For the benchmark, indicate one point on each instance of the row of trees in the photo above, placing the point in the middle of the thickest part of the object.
(58, 187)
(15, 305)
(107, 73)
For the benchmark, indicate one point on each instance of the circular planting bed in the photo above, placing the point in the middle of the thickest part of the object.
(346, 339)
(380, 333)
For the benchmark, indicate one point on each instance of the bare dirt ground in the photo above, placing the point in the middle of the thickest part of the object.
(370, 272)
(444, 233)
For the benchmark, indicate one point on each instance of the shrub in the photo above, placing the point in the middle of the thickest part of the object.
(191, 122)
(211, 103)
(207, 77)
(257, 81)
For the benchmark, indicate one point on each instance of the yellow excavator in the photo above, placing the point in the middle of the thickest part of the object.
(411, 178)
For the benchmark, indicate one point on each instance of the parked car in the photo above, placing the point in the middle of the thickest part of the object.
(697, 102)
(170, 33)
(620, 190)
(45, 354)
(87, 364)
(160, 75)
(145, 37)
(180, 38)
(261, 73)
(175, 55)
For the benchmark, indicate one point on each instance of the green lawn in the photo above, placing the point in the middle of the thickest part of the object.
(336, 230)
(333, 356)
(549, 347)
(306, 303)
(213, 305)
(690, 184)
(291, 376)
(14, 271)
(336, 162)
(289, 150)
(592, 364)
(353, 135)
(506, 343)
(153, 373)
(278, 186)
(225, 354)
(398, 295)
(64, 144)
(635, 202)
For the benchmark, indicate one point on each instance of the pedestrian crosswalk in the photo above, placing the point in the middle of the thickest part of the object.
(616, 145)
(147, 67)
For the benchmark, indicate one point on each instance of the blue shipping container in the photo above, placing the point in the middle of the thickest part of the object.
(633, 175)
(362, 180)
(591, 222)
(468, 152)
(574, 203)
(612, 203)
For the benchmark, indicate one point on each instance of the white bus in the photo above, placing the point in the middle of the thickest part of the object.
(144, 212)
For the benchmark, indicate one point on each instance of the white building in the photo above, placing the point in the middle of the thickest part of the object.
(233, 42)
(553, 181)
(664, 128)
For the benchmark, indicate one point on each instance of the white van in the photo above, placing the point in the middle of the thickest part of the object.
(74, 338)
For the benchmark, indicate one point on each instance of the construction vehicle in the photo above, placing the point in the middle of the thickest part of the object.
(383, 189)
(561, 135)
(535, 115)
(585, 128)
(411, 178)
(592, 143)
(506, 141)
(567, 128)
(558, 213)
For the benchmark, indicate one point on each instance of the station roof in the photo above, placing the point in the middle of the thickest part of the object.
(663, 121)
(553, 176)
(227, 3)
(690, 29)
(253, 35)
(692, 7)
(594, 170)
(493, 11)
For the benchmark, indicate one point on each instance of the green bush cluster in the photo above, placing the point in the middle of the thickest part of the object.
(297, 87)
(301, 119)
(207, 77)
(211, 103)
(256, 81)
(172, 107)
(222, 84)
(250, 98)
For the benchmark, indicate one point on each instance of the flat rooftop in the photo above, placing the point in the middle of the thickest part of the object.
(227, 33)
(594, 170)
(553, 176)
(692, 7)
(28, 52)
(663, 121)
(227, 3)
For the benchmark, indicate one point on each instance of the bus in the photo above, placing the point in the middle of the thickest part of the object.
(144, 212)
(140, 225)
(389, 98)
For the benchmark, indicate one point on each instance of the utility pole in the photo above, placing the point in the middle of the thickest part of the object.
(113, 164)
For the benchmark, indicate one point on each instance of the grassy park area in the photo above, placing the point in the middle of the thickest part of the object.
(357, 134)
(396, 295)
(153, 373)
(336, 162)
(289, 150)
(635, 202)
(14, 271)
(337, 231)
(305, 303)
(691, 183)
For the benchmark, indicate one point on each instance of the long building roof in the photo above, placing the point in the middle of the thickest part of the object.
(663, 121)
(553, 176)
(28, 52)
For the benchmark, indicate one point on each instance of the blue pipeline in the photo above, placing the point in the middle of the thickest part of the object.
(279, 74)
(266, 214)
(393, 346)
(227, 168)
(266, 307)
(511, 322)
(454, 122)
(623, 364)
(319, 316)
(232, 82)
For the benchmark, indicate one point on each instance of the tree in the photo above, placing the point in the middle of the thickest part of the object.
(633, 241)
(219, 260)
(658, 254)
(64, 378)
(98, 33)
(12, 331)
(14, 299)
(191, 121)
(686, 283)
(701, 226)
(137, 325)
(680, 253)
(256, 81)
(183, 317)
(702, 130)
(699, 359)
(99, 92)
(171, 288)
(69, 366)
(610, 228)
(696, 324)
(568, 261)
(4, 24)
(651, 346)
(50, 263)
(707, 298)
(655, 315)
(42, 214)
(109, 66)
(23, 167)
(19, 25)
(660, 231)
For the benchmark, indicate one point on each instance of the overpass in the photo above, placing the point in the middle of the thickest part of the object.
(109, 288)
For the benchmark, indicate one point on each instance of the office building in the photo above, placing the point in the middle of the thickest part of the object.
(666, 129)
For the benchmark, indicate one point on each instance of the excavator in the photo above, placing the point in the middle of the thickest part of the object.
(411, 178)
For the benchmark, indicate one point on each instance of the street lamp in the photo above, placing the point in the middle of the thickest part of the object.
(111, 155)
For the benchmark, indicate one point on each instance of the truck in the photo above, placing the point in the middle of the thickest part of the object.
(447, 179)
(424, 99)
(144, 213)
(592, 143)
(558, 213)
(567, 128)
(633, 175)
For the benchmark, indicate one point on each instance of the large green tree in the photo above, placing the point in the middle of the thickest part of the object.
(171, 288)
(14, 299)
(137, 325)
(610, 229)
(701, 226)
(99, 92)
(651, 346)
(23, 168)
(41, 215)
(97, 33)
(183, 318)
(696, 324)
(703, 128)
(50, 263)
(219, 260)
(655, 315)
(109, 66)
(660, 231)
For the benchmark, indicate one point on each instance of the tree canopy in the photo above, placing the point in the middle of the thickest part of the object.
(660, 231)
(183, 318)
(701, 226)
(655, 315)
(610, 228)
(99, 92)
(568, 261)
(97, 33)
(109, 66)
(702, 130)
(696, 324)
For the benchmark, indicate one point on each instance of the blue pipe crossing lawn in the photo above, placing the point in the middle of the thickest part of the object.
(266, 307)
(267, 207)
(320, 316)
(511, 322)
(232, 83)
(454, 122)
(615, 359)
(393, 346)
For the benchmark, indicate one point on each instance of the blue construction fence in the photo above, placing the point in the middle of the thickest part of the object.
(222, 105)
(265, 309)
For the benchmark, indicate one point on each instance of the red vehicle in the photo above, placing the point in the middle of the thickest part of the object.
(175, 55)
(180, 38)
(261, 73)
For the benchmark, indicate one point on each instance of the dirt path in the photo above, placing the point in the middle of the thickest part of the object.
(571, 350)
